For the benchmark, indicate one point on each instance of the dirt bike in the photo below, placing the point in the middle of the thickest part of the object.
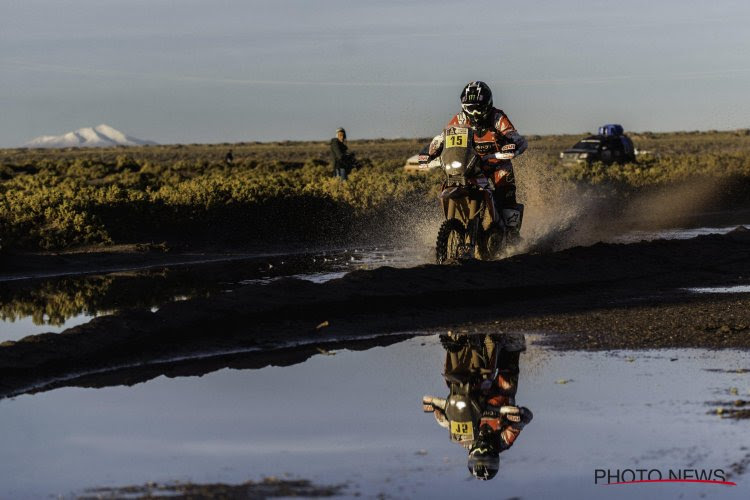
(473, 227)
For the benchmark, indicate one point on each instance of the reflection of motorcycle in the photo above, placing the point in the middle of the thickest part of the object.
(480, 411)
(472, 227)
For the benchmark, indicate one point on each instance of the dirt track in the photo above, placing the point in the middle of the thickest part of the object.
(603, 296)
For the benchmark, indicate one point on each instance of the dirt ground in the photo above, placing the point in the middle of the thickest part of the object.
(269, 487)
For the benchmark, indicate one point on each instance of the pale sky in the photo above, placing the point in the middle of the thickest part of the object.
(226, 71)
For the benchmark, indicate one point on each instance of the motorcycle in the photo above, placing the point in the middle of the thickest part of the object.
(473, 227)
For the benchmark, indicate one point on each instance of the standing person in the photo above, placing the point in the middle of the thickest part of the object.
(493, 133)
(343, 161)
(229, 158)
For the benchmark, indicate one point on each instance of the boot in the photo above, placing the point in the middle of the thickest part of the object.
(513, 218)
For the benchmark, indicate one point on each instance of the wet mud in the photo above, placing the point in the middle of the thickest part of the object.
(740, 467)
(739, 409)
(22, 266)
(660, 320)
(269, 487)
(599, 297)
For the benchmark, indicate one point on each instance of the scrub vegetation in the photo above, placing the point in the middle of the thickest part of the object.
(675, 157)
(282, 192)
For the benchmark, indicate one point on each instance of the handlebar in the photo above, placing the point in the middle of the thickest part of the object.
(498, 156)
(429, 403)
(509, 410)
(507, 152)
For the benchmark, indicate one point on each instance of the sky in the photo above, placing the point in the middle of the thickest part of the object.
(193, 71)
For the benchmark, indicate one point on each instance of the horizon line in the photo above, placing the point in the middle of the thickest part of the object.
(400, 138)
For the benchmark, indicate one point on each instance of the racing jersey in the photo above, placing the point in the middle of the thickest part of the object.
(486, 140)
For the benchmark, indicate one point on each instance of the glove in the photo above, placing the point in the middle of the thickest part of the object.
(518, 417)
(526, 415)
(452, 344)
(507, 152)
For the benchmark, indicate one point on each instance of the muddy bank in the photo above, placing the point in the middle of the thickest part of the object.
(738, 409)
(270, 487)
(25, 266)
(609, 223)
(672, 319)
(622, 283)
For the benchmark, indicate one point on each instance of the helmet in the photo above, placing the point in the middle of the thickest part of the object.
(484, 462)
(476, 100)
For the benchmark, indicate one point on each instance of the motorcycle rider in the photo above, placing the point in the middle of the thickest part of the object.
(493, 133)
(501, 420)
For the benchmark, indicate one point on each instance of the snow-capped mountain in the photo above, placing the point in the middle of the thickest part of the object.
(101, 136)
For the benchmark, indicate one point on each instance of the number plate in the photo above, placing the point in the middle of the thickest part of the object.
(463, 431)
(457, 138)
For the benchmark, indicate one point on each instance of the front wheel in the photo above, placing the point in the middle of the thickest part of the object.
(450, 240)
(492, 243)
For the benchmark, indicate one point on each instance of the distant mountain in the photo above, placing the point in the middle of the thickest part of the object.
(101, 136)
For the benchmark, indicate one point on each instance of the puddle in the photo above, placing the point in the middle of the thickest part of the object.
(671, 234)
(51, 305)
(329, 266)
(313, 277)
(722, 289)
(355, 417)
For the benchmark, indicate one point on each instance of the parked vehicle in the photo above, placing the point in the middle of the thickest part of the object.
(419, 162)
(609, 146)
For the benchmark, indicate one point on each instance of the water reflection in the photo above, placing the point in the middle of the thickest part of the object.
(480, 411)
(173, 361)
(337, 418)
(53, 302)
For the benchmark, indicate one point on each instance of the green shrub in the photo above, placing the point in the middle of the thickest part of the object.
(53, 199)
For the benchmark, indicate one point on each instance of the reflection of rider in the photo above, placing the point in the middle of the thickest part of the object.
(501, 420)
(494, 133)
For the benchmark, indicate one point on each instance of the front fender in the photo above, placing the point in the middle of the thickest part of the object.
(453, 192)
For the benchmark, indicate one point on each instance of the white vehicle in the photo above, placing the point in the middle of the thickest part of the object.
(419, 163)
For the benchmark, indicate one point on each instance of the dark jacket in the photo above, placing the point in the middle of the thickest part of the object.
(341, 158)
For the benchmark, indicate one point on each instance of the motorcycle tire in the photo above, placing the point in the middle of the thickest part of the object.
(492, 243)
(450, 239)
